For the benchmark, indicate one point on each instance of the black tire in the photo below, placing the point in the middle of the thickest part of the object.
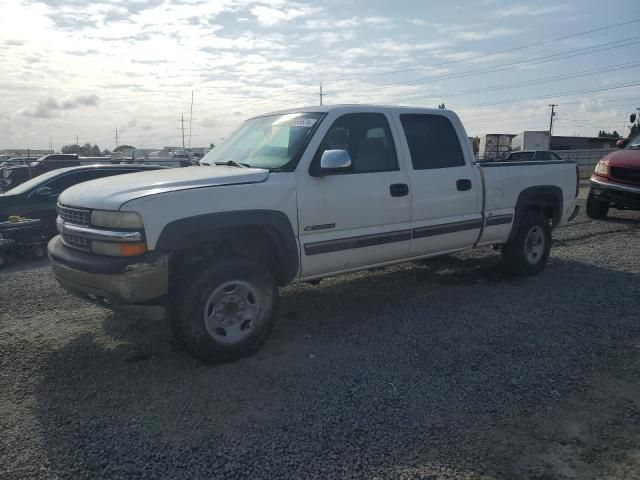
(225, 292)
(528, 251)
(596, 208)
(3, 261)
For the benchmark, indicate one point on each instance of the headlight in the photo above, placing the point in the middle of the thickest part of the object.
(118, 249)
(6, 173)
(602, 168)
(108, 219)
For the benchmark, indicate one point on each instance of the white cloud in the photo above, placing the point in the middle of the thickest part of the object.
(527, 10)
(270, 16)
(143, 58)
(486, 34)
(378, 22)
(50, 106)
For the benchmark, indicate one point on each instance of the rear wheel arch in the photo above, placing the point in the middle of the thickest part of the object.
(264, 236)
(546, 199)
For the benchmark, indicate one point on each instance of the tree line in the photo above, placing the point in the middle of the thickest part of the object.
(88, 150)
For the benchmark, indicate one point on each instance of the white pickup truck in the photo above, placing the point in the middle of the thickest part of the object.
(297, 196)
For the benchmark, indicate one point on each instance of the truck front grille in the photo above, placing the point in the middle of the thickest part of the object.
(628, 175)
(75, 216)
(74, 241)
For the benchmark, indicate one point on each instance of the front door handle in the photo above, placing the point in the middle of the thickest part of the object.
(399, 190)
(463, 184)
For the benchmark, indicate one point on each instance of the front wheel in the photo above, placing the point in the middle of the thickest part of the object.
(528, 251)
(596, 208)
(227, 311)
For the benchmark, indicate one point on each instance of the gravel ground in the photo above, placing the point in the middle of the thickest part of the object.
(450, 369)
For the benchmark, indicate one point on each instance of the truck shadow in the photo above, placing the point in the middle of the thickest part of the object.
(388, 374)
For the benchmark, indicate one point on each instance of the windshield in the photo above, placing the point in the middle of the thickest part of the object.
(266, 142)
(634, 144)
(34, 182)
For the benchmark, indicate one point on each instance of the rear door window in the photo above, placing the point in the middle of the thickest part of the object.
(433, 142)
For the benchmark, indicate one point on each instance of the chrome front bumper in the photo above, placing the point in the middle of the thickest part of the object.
(614, 186)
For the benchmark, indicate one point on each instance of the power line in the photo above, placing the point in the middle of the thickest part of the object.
(464, 60)
(538, 60)
(561, 94)
(501, 52)
(538, 81)
(497, 68)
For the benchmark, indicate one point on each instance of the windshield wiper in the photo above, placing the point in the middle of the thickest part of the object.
(233, 163)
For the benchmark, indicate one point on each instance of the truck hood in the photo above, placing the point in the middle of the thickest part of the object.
(111, 193)
(624, 158)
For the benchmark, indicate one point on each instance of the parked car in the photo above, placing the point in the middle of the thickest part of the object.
(10, 163)
(531, 156)
(37, 198)
(14, 176)
(295, 197)
(615, 182)
(17, 161)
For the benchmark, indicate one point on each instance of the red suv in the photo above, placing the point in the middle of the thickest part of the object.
(615, 183)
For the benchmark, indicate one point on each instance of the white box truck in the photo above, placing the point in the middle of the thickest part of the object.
(531, 140)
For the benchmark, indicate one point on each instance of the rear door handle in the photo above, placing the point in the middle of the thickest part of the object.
(463, 184)
(399, 190)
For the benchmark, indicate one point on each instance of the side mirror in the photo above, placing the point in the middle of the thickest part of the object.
(622, 143)
(632, 118)
(334, 161)
(43, 192)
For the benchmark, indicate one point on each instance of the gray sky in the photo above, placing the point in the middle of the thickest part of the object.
(76, 68)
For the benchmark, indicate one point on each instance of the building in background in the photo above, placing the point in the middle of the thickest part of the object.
(582, 143)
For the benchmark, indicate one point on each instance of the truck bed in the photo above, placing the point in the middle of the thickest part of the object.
(504, 183)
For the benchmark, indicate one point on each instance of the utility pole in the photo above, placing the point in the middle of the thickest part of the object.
(553, 114)
(116, 136)
(77, 142)
(50, 145)
(321, 94)
(182, 128)
(190, 122)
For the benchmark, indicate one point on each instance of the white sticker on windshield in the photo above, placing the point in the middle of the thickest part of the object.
(303, 122)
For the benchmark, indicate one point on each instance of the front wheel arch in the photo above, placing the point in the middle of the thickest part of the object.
(232, 231)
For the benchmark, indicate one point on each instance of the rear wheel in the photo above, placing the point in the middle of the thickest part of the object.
(227, 311)
(3, 261)
(596, 208)
(528, 251)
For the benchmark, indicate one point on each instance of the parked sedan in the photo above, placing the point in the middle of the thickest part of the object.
(531, 156)
(37, 198)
